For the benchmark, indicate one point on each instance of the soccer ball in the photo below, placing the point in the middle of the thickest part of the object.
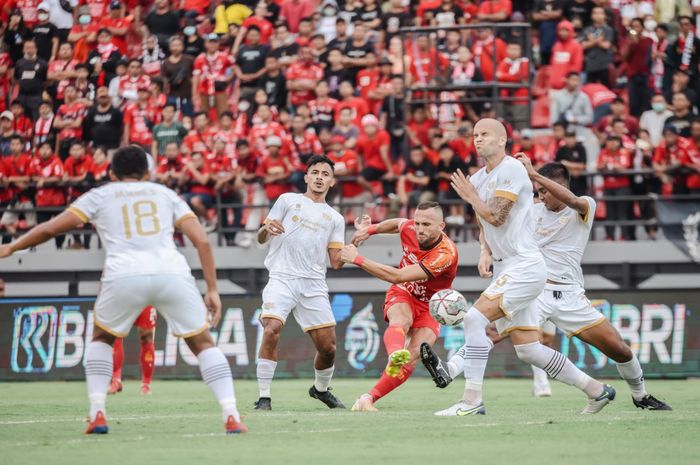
(448, 307)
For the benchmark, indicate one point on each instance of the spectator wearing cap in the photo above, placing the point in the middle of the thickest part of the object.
(570, 105)
(637, 53)
(259, 21)
(653, 120)
(61, 70)
(573, 156)
(293, 11)
(618, 109)
(373, 149)
(514, 69)
(673, 153)
(161, 21)
(46, 171)
(21, 124)
(45, 34)
(212, 76)
(16, 180)
(6, 132)
(567, 55)
(43, 126)
(547, 14)
(485, 47)
(250, 63)
(597, 46)
(140, 118)
(30, 75)
(682, 114)
(117, 24)
(613, 159)
(104, 123)
(69, 121)
(83, 35)
(275, 170)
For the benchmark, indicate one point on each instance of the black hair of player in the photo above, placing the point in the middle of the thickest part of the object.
(556, 172)
(316, 159)
(130, 162)
(428, 205)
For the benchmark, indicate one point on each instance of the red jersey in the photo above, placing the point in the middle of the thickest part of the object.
(424, 65)
(269, 165)
(348, 160)
(307, 71)
(23, 126)
(321, 111)
(369, 80)
(117, 23)
(129, 86)
(537, 153)
(141, 121)
(17, 166)
(491, 7)
(48, 196)
(5, 192)
(306, 145)
(166, 164)
(202, 142)
(514, 72)
(100, 171)
(439, 262)
(72, 111)
(369, 149)
(211, 68)
(358, 106)
(229, 136)
(29, 11)
(259, 133)
(196, 187)
(263, 25)
(622, 158)
(98, 8)
(422, 130)
(81, 47)
(483, 55)
(58, 66)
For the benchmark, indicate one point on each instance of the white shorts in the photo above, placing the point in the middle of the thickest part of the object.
(517, 282)
(568, 308)
(308, 298)
(176, 297)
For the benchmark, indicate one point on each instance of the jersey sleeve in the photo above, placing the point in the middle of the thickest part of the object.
(437, 262)
(511, 181)
(590, 214)
(181, 211)
(337, 238)
(279, 209)
(87, 206)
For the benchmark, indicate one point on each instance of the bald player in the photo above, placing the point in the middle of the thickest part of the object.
(428, 265)
(501, 195)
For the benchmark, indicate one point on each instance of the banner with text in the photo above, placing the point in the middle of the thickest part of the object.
(45, 339)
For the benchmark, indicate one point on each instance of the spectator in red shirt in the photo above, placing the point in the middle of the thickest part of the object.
(69, 121)
(494, 11)
(515, 69)
(139, 119)
(22, 124)
(427, 63)
(637, 56)
(100, 166)
(117, 24)
(198, 187)
(260, 22)
(673, 153)
(83, 36)
(322, 108)
(373, 149)
(16, 179)
(275, 170)
(46, 171)
(77, 173)
(483, 51)
(61, 71)
(293, 11)
(419, 127)
(618, 111)
(613, 158)
(129, 83)
(347, 163)
(303, 76)
(212, 76)
(201, 136)
(357, 105)
(567, 55)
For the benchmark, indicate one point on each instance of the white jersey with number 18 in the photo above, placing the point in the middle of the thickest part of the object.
(136, 222)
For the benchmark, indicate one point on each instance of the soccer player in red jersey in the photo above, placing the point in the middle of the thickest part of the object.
(146, 323)
(429, 264)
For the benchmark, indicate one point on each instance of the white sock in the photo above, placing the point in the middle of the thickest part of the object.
(265, 371)
(632, 373)
(323, 378)
(475, 354)
(216, 373)
(539, 376)
(98, 374)
(558, 367)
(455, 365)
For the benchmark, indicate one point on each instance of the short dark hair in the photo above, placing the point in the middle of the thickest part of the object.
(555, 171)
(170, 105)
(573, 73)
(242, 143)
(130, 162)
(428, 205)
(316, 159)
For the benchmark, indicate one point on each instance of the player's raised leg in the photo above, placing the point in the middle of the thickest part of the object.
(605, 338)
(324, 366)
(118, 363)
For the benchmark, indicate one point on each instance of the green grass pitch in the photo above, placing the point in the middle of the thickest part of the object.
(42, 423)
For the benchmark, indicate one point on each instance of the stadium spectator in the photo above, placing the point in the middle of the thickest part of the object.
(117, 24)
(176, 72)
(573, 155)
(601, 99)
(69, 121)
(653, 120)
(16, 178)
(250, 63)
(547, 14)
(392, 118)
(683, 53)
(449, 163)
(681, 83)
(43, 128)
(61, 17)
(514, 69)
(61, 70)
(45, 34)
(673, 153)
(413, 186)
(198, 190)
(611, 160)
(598, 48)
(570, 105)
(30, 74)
(139, 119)
(293, 11)
(212, 76)
(16, 34)
(167, 131)
(275, 170)
(6, 132)
(682, 114)
(347, 163)
(46, 171)
(83, 35)
(483, 51)
(273, 83)
(22, 125)
(373, 148)
(567, 56)
(162, 22)
(170, 166)
(618, 109)
(103, 123)
(493, 11)
(537, 153)
(636, 54)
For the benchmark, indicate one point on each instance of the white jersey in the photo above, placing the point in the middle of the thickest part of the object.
(515, 237)
(136, 222)
(310, 230)
(562, 237)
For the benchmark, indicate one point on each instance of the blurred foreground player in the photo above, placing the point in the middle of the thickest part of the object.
(429, 264)
(136, 220)
(563, 228)
(146, 325)
(302, 229)
(501, 194)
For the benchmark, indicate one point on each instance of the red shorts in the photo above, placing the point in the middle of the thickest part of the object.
(147, 318)
(421, 314)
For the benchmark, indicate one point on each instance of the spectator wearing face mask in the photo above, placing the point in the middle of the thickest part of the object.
(653, 120)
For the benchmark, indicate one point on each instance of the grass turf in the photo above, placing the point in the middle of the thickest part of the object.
(42, 423)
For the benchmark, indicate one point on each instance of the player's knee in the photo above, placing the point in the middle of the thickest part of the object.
(528, 353)
(547, 340)
(146, 336)
(327, 349)
(622, 352)
(271, 331)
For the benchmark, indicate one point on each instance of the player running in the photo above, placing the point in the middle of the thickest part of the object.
(301, 229)
(501, 195)
(146, 324)
(136, 220)
(429, 264)
(563, 225)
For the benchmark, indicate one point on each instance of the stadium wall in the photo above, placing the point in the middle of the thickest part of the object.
(45, 339)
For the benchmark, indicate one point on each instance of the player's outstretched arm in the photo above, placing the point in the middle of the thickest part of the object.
(195, 233)
(349, 254)
(559, 192)
(365, 228)
(66, 221)
(495, 212)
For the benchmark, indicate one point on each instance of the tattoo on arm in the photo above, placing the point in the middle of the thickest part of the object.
(500, 208)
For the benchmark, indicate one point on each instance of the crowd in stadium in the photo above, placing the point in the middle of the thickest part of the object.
(231, 98)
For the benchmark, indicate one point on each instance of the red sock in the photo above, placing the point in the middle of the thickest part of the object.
(386, 383)
(148, 350)
(394, 339)
(118, 358)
